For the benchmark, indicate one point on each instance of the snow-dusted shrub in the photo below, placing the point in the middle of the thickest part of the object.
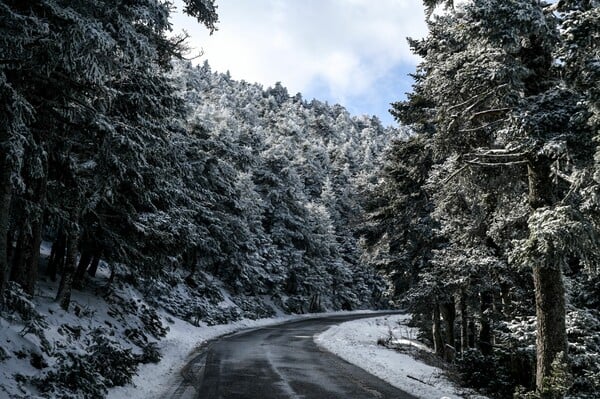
(496, 375)
(152, 322)
(296, 304)
(218, 315)
(74, 379)
(116, 364)
(21, 309)
(583, 331)
(104, 364)
(253, 307)
(150, 353)
(127, 310)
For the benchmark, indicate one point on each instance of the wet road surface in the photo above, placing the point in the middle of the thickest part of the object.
(278, 362)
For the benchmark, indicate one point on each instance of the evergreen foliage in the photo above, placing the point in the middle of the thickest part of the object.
(504, 184)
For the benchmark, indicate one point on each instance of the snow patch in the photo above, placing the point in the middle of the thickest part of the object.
(356, 342)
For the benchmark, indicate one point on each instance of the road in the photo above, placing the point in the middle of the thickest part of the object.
(278, 362)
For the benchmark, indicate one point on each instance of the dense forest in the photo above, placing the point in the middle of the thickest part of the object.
(116, 152)
(487, 217)
(124, 168)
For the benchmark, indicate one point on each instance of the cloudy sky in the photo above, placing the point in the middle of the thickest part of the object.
(351, 52)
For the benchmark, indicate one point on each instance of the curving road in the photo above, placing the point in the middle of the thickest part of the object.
(278, 362)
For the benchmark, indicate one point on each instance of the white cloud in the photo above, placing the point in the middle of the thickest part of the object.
(342, 45)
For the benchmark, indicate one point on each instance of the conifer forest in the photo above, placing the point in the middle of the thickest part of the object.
(139, 188)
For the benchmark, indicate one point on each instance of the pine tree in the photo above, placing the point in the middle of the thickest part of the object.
(508, 111)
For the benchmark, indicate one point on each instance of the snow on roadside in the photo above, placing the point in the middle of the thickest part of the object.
(180, 345)
(356, 342)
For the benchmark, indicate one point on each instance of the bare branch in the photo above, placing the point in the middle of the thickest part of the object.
(453, 175)
(497, 155)
(478, 98)
(509, 163)
(563, 176)
(474, 129)
(493, 111)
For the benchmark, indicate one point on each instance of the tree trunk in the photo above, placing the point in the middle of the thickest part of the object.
(63, 295)
(464, 323)
(17, 267)
(5, 198)
(84, 263)
(551, 338)
(57, 256)
(26, 259)
(94, 265)
(449, 315)
(39, 186)
(436, 329)
(485, 333)
(32, 262)
(505, 307)
(551, 335)
(471, 334)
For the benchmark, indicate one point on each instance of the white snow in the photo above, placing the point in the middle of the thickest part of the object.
(356, 342)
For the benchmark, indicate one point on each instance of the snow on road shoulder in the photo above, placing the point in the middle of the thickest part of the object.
(180, 345)
(356, 342)
(177, 348)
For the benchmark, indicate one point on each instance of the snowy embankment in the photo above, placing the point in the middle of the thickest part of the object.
(357, 342)
(180, 346)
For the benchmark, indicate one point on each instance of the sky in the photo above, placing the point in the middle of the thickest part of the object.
(350, 52)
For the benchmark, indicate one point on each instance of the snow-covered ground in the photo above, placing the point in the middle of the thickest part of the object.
(356, 342)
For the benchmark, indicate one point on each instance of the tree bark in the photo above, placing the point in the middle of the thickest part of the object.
(39, 186)
(94, 265)
(436, 330)
(551, 336)
(485, 333)
(471, 334)
(82, 266)
(57, 256)
(63, 296)
(26, 257)
(448, 310)
(464, 323)
(17, 263)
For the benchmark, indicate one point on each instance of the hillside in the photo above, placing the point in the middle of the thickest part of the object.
(252, 214)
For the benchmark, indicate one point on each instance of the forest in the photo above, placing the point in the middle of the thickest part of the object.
(487, 216)
(126, 168)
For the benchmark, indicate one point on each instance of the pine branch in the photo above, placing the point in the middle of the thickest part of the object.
(453, 175)
(563, 176)
(478, 98)
(495, 154)
(493, 111)
(509, 163)
(474, 129)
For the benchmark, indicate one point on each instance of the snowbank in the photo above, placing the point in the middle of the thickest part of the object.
(356, 342)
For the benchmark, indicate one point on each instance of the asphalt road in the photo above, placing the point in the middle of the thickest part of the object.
(279, 362)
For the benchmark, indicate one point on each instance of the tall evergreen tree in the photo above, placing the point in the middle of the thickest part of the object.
(492, 100)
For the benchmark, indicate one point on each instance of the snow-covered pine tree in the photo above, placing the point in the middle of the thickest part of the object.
(511, 121)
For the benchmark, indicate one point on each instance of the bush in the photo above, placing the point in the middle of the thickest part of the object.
(496, 375)
(105, 364)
